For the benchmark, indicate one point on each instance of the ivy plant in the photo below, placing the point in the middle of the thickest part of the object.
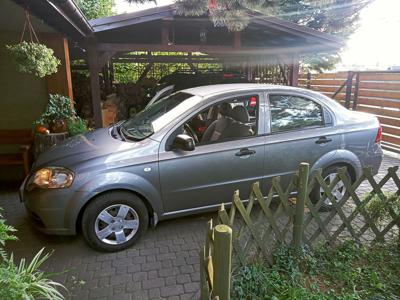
(34, 58)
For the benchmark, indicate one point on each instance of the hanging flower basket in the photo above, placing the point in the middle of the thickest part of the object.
(32, 57)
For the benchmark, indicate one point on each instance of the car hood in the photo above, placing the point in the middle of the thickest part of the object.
(81, 148)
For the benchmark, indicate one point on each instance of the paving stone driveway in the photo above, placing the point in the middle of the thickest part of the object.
(162, 265)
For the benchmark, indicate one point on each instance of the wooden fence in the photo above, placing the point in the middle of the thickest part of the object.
(377, 93)
(215, 263)
(289, 216)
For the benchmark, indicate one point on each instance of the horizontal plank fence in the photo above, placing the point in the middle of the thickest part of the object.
(292, 216)
(377, 93)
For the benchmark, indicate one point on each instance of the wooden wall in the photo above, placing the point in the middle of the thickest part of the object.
(377, 93)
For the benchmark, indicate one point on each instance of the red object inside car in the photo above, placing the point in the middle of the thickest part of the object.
(253, 101)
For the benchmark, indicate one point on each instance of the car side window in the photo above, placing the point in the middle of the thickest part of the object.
(231, 119)
(290, 112)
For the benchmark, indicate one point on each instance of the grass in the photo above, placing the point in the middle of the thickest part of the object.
(346, 272)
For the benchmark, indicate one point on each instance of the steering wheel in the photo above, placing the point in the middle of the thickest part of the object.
(191, 132)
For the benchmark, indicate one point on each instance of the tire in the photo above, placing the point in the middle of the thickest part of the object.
(114, 221)
(340, 193)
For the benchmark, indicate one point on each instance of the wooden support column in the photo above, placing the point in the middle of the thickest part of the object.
(294, 71)
(60, 82)
(94, 70)
(237, 40)
(165, 33)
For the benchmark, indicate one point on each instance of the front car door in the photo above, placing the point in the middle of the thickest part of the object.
(202, 179)
(300, 129)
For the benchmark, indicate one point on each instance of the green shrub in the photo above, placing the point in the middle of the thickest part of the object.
(58, 108)
(34, 58)
(77, 126)
(347, 271)
(24, 281)
(379, 205)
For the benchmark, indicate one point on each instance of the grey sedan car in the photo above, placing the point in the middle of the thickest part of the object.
(187, 153)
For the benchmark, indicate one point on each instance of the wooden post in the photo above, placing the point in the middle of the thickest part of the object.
(349, 86)
(222, 257)
(95, 86)
(294, 71)
(237, 40)
(308, 80)
(300, 203)
(356, 90)
(60, 82)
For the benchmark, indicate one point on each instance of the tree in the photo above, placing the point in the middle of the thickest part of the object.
(337, 17)
(93, 9)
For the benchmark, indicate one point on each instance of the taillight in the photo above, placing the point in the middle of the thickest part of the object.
(378, 138)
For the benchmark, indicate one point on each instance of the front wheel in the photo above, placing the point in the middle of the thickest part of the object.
(114, 221)
(338, 191)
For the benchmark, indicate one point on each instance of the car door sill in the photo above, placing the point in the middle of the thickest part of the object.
(207, 208)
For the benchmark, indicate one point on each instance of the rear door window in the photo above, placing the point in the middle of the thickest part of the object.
(290, 112)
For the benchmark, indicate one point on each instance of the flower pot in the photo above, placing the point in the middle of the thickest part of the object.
(58, 126)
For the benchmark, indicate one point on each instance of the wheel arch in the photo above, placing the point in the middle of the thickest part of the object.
(150, 208)
(340, 157)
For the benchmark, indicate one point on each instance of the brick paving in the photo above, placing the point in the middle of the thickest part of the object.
(162, 265)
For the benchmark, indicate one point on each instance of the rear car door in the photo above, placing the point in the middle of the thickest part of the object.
(201, 179)
(300, 129)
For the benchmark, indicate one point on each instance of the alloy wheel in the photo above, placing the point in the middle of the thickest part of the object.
(116, 224)
(338, 191)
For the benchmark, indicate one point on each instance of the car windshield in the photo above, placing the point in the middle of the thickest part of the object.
(145, 123)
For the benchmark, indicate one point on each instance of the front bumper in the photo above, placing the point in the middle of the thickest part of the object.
(52, 211)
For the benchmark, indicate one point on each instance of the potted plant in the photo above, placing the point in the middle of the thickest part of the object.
(57, 114)
(34, 58)
(76, 126)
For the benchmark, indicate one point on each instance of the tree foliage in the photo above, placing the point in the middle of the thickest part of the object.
(337, 17)
(93, 9)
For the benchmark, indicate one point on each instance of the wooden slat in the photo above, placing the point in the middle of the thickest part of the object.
(380, 94)
(391, 139)
(380, 77)
(378, 111)
(331, 82)
(331, 89)
(338, 75)
(391, 130)
(380, 85)
(389, 121)
(379, 102)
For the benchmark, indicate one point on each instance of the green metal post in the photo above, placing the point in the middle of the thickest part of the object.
(300, 203)
(222, 260)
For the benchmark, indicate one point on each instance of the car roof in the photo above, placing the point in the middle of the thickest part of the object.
(208, 90)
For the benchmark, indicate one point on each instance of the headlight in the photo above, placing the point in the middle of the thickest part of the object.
(51, 178)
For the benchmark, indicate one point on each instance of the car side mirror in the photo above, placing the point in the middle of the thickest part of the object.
(183, 142)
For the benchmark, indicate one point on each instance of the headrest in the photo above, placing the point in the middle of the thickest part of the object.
(225, 109)
(240, 114)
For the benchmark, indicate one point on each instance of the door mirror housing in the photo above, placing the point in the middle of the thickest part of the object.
(183, 142)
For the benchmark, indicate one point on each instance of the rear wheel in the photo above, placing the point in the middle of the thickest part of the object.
(114, 221)
(338, 191)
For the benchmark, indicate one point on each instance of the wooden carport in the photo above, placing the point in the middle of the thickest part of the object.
(265, 40)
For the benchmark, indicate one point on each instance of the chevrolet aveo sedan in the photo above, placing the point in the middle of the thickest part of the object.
(187, 153)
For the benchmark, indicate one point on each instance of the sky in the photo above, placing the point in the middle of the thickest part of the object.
(374, 45)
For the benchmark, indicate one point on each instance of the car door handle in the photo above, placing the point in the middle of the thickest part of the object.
(245, 151)
(323, 140)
